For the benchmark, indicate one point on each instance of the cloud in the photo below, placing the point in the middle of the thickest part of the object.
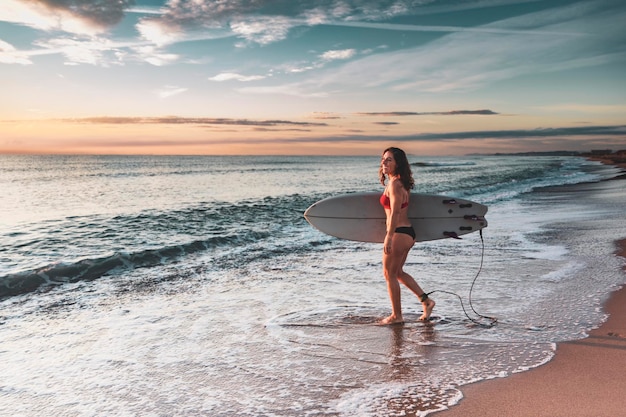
(580, 35)
(154, 56)
(304, 66)
(540, 132)
(338, 54)
(325, 116)
(102, 51)
(155, 10)
(245, 19)
(262, 30)
(562, 136)
(93, 51)
(436, 113)
(170, 91)
(265, 129)
(296, 90)
(229, 76)
(73, 16)
(188, 121)
(586, 108)
(10, 55)
(263, 21)
(562, 132)
(154, 31)
(449, 29)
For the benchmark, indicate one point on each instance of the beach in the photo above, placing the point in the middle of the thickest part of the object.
(138, 285)
(585, 378)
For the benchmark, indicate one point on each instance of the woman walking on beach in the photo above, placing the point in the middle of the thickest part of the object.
(400, 236)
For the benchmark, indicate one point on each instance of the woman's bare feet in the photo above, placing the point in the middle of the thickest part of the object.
(392, 319)
(428, 306)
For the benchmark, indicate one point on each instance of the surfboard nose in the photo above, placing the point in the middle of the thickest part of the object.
(310, 212)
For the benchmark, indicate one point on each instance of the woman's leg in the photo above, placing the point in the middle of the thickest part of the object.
(411, 284)
(427, 303)
(392, 269)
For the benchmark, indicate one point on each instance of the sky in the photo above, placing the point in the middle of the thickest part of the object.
(351, 77)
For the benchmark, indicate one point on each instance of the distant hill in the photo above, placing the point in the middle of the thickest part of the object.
(596, 153)
(545, 153)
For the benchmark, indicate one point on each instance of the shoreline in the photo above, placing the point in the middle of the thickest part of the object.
(582, 379)
(614, 161)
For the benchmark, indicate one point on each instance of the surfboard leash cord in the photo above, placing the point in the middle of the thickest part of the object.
(492, 320)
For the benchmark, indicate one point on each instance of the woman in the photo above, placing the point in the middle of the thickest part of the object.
(400, 234)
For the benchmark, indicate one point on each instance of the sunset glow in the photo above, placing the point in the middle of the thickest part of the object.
(323, 77)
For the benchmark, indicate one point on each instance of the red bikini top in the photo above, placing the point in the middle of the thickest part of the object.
(386, 203)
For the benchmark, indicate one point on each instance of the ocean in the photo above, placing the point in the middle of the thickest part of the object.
(193, 286)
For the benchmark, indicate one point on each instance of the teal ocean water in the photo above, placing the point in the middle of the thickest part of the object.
(193, 286)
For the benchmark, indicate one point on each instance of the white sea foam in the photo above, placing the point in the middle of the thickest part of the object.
(567, 271)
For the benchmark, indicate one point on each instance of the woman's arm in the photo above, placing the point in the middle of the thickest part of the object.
(396, 195)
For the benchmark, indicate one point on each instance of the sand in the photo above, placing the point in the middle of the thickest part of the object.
(586, 378)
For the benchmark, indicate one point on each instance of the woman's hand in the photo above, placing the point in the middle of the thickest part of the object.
(387, 245)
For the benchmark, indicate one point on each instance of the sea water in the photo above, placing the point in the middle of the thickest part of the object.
(193, 286)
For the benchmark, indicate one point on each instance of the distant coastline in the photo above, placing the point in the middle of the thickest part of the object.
(616, 157)
(606, 156)
(545, 153)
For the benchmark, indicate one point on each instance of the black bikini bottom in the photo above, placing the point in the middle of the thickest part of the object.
(407, 230)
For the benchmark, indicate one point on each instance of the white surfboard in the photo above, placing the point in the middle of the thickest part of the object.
(360, 217)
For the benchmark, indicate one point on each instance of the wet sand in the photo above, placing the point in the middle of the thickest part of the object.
(586, 378)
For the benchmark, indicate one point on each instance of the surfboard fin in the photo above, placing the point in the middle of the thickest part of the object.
(453, 235)
(453, 201)
(473, 217)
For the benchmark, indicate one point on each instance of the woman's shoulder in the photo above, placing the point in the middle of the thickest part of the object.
(395, 184)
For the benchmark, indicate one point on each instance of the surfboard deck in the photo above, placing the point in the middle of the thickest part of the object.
(360, 217)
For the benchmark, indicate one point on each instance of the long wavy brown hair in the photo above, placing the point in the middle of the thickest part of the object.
(403, 168)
